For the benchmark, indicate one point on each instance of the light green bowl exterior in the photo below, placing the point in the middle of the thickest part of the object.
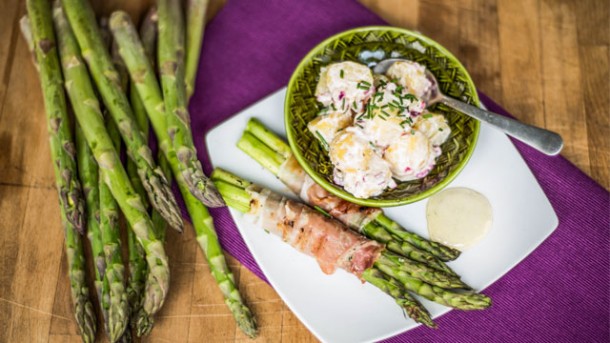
(441, 54)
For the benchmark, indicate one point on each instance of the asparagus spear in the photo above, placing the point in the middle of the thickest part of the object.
(463, 300)
(171, 66)
(376, 231)
(272, 153)
(406, 301)
(402, 267)
(116, 300)
(114, 297)
(443, 252)
(69, 189)
(88, 172)
(63, 156)
(195, 25)
(141, 321)
(89, 116)
(83, 309)
(144, 79)
(148, 32)
(82, 21)
(233, 189)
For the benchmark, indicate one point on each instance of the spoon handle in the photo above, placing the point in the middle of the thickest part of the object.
(542, 140)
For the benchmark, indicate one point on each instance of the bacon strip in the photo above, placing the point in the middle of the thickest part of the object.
(352, 215)
(309, 231)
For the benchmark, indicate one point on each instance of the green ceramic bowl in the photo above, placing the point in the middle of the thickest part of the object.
(368, 45)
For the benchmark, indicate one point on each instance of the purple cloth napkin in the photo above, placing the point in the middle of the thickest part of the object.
(557, 294)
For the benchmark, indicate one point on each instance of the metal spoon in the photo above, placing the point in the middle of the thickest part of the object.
(540, 139)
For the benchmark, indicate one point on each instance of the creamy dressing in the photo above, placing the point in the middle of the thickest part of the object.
(458, 217)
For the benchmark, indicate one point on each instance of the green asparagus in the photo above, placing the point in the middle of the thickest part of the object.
(401, 266)
(208, 241)
(406, 301)
(463, 300)
(443, 252)
(171, 67)
(196, 11)
(63, 157)
(89, 116)
(148, 32)
(114, 296)
(141, 321)
(82, 20)
(88, 172)
(68, 186)
(144, 78)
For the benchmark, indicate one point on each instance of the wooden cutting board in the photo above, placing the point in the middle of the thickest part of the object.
(546, 61)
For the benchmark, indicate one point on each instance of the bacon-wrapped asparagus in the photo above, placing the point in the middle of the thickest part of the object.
(336, 246)
(274, 154)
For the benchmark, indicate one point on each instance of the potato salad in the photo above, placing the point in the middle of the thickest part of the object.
(376, 127)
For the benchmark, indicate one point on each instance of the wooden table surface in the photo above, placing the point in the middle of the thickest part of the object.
(546, 61)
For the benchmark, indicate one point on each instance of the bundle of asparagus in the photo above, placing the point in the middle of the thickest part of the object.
(170, 120)
(334, 245)
(141, 189)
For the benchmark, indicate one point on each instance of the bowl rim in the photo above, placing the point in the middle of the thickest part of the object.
(334, 189)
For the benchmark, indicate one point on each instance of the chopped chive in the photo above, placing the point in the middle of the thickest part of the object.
(427, 116)
(341, 73)
(322, 139)
(385, 113)
(440, 129)
(410, 96)
(343, 105)
(333, 107)
(363, 85)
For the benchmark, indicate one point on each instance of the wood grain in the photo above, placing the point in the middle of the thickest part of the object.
(546, 61)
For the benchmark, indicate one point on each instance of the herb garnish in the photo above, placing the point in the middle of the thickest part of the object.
(363, 85)
(322, 139)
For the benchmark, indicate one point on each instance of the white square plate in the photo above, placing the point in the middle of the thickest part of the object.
(338, 308)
